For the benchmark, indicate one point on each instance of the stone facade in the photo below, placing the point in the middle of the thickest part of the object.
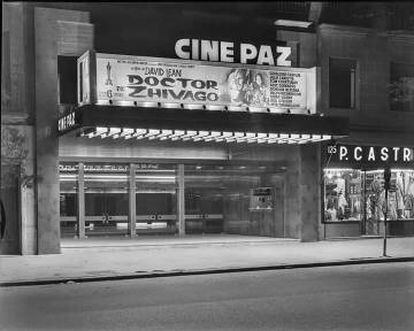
(34, 37)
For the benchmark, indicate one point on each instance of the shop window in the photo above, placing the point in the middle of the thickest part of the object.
(401, 87)
(342, 198)
(404, 188)
(67, 80)
(400, 195)
(354, 195)
(342, 80)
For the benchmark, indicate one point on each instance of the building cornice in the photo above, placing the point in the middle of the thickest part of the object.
(16, 119)
(344, 29)
(394, 35)
(400, 35)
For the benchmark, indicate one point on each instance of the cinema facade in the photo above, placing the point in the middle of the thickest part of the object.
(203, 143)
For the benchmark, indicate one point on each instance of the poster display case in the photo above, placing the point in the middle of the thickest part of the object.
(124, 80)
(357, 195)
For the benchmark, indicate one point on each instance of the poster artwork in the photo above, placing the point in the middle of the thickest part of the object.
(134, 80)
(261, 198)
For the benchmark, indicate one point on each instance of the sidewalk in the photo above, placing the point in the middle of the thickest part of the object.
(123, 258)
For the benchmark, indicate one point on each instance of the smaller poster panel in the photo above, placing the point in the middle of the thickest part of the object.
(84, 91)
(261, 198)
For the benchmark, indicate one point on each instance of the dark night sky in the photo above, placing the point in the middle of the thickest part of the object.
(152, 28)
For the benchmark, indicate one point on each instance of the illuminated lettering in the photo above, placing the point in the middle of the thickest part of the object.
(136, 90)
(371, 154)
(282, 59)
(154, 71)
(209, 50)
(183, 81)
(357, 157)
(135, 79)
(395, 149)
(179, 48)
(406, 154)
(151, 81)
(177, 96)
(265, 56)
(384, 154)
(211, 84)
(164, 82)
(194, 49)
(379, 156)
(188, 95)
(247, 52)
(66, 122)
(343, 151)
(200, 96)
(198, 84)
(226, 52)
(154, 92)
(142, 87)
(212, 97)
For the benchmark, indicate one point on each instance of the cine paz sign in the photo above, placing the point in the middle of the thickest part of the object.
(226, 51)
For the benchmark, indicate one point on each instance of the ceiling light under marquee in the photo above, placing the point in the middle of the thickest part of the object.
(204, 136)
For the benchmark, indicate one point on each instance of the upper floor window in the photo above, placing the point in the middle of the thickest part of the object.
(402, 87)
(67, 66)
(342, 79)
(5, 71)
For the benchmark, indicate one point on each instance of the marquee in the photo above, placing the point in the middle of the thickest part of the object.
(109, 79)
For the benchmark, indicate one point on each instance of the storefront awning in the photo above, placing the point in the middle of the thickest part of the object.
(200, 125)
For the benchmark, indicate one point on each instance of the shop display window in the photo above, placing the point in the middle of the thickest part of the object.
(354, 195)
(404, 186)
(342, 195)
(400, 195)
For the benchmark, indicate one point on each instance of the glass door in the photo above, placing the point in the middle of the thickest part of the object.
(106, 203)
(68, 199)
(220, 199)
(156, 199)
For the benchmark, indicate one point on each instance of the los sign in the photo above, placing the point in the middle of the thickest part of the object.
(225, 51)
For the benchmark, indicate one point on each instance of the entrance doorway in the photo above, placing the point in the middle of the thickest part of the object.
(221, 199)
(218, 198)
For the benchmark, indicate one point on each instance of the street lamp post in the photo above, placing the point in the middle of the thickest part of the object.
(387, 179)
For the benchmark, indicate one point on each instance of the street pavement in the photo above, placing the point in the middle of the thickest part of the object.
(115, 258)
(353, 297)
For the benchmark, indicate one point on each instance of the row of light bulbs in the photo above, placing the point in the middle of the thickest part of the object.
(202, 136)
(190, 106)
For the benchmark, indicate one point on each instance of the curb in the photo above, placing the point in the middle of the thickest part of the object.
(173, 273)
(182, 244)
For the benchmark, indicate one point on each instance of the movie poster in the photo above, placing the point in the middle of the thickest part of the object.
(179, 82)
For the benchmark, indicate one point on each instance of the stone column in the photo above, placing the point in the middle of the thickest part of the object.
(56, 32)
(310, 192)
(292, 194)
(132, 210)
(180, 200)
(80, 211)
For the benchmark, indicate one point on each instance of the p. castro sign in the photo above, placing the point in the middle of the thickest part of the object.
(367, 157)
(125, 80)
